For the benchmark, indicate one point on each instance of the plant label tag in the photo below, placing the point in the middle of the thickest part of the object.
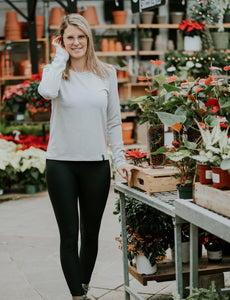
(215, 178)
(140, 5)
(208, 174)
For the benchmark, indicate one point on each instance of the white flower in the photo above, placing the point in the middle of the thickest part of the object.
(171, 69)
(198, 65)
(190, 64)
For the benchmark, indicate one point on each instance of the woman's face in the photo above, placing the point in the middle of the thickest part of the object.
(75, 41)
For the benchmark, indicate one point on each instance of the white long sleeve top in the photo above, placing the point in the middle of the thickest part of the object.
(85, 114)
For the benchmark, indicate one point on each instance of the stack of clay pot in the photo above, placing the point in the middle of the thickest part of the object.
(6, 64)
(39, 26)
(56, 15)
(12, 27)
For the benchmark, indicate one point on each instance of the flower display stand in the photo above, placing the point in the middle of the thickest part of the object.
(212, 198)
(154, 180)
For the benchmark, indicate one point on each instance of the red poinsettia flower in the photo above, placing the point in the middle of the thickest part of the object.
(135, 154)
(214, 103)
(157, 62)
(188, 25)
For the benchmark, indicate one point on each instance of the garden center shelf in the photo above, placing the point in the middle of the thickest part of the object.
(166, 270)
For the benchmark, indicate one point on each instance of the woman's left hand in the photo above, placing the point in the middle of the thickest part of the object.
(125, 171)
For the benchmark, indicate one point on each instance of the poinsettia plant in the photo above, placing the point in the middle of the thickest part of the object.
(191, 28)
(136, 156)
(25, 96)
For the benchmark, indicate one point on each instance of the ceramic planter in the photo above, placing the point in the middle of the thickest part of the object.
(192, 43)
(220, 178)
(144, 266)
(147, 17)
(205, 174)
(146, 44)
(220, 40)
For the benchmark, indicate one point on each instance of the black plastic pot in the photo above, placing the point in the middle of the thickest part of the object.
(185, 192)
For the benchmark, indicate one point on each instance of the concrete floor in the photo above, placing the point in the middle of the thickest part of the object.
(29, 256)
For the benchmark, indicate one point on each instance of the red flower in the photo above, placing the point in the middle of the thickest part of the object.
(188, 25)
(176, 144)
(226, 68)
(208, 80)
(157, 62)
(203, 126)
(171, 78)
(135, 154)
(214, 103)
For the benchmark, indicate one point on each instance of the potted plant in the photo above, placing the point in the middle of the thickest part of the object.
(192, 34)
(202, 293)
(221, 37)
(148, 232)
(147, 107)
(146, 39)
(31, 169)
(126, 37)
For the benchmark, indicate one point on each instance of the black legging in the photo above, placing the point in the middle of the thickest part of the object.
(89, 183)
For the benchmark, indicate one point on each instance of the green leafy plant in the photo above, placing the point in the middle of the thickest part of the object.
(148, 231)
(201, 294)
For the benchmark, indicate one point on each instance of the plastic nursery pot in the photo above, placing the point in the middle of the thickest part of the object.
(185, 192)
(205, 174)
(119, 16)
(220, 178)
(30, 189)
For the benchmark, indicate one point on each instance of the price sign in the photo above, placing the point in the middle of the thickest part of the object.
(140, 5)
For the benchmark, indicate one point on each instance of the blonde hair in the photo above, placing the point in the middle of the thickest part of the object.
(93, 64)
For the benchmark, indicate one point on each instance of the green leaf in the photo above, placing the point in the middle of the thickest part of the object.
(225, 164)
(159, 79)
(189, 145)
(138, 99)
(160, 150)
(170, 119)
(170, 87)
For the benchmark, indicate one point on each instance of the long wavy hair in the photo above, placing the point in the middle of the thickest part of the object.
(93, 64)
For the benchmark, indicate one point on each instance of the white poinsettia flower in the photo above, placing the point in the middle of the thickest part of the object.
(7, 146)
(189, 64)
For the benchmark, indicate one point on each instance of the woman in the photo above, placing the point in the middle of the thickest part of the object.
(85, 113)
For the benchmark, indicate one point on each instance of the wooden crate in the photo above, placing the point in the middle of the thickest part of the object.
(155, 180)
(212, 198)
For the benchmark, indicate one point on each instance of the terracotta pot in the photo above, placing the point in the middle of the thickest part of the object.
(104, 45)
(127, 130)
(220, 178)
(111, 45)
(25, 68)
(119, 16)
(52, 47)
(205, 174)
(90, 14)
(56, 16)
(6, 64)
(120, 74)
(118, 46)
(39, 26)
(11, 17)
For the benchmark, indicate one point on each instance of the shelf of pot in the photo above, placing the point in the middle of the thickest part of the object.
(24, 40)
(166, 270)
(105, 26)
(16, 77)
(150, 53)
(127, 114)
(174, 26)
(116, 53)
